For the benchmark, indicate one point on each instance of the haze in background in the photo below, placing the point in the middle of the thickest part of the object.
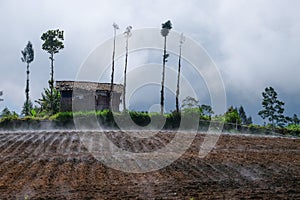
(255, 44)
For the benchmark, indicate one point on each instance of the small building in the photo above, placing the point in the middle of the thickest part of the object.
(85, 96)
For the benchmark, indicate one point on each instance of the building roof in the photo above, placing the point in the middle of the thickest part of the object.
(86, 85)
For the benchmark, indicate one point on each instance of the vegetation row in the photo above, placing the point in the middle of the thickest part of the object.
(106, 119)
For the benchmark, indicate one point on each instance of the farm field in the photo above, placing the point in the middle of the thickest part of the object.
(57, 165)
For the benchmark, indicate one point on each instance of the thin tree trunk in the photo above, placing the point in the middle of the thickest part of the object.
(163, 79)
(112, 75)
(178, 81)
(125, 74)
(51, 83)
(27, 92)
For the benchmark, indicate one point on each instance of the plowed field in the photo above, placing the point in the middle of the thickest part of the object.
(56, 165)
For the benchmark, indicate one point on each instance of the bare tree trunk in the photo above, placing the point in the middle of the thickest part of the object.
(112, 74)
(27, 92)
(178, 81)
(163, 78)
(51, 83)
(125, 74)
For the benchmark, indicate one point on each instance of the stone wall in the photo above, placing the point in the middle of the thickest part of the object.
(88, 95)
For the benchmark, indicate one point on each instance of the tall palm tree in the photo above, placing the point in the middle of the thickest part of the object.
(127, 34)
(27, 57)
(166, 27)
(116, 27)
(181, 41)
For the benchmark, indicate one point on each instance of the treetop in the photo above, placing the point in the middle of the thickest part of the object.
(53, 41)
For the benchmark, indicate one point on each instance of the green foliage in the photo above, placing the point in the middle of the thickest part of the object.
(206, 110)
(244, 119)
(62, 116)
(232, 116)
(242, 115)
(27, 57)
(272, 108)
(27, 53)
(195, 110)
(140, 118)
(189, 102)
(293, 127)
(5, 112)
(33, 113)
(256, 129)
(50, 103)
(173, 120)
(218, 118)
(65, 120)
(166, 27)
(27, 107)
(7, 116)
(295, 120)
(53, 41)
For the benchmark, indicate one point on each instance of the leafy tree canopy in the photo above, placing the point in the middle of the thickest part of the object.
(27, 107)
(190, 102)
(167, 25)
(272, 108)
(27, 53)
(7, 113)
(232, 116)
(53, 41)
(244, 119)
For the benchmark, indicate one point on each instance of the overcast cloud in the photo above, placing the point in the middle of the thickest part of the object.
(255, 44)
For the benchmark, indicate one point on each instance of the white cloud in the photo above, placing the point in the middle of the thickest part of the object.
(254, 43)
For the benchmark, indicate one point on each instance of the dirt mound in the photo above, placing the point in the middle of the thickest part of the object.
(56, 165)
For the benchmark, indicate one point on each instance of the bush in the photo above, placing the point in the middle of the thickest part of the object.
(65, 120)
(293, 129)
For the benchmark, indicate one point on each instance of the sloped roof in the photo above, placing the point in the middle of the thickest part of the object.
(86, 85)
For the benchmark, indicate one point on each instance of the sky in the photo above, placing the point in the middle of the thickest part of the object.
(254, 44)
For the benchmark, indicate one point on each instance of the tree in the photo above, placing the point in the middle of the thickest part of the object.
(232, 116)
(6, 113)
(190, 102)
(207, 110)
(242, 115)
(116, 27)
(166, 27)
(1, 93)
(249, 120)
(244, 119)
(272, 108)
(27, 57)
(127, 34)
(27, 107)
(182, 39)
(50, 103)
(53, 43)
(295, 120)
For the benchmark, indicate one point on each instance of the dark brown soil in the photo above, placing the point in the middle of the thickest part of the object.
(239, 167)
